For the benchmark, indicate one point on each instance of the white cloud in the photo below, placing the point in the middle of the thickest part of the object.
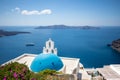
(17, 9)
(36, 12)
(33, 12)
(46, 11)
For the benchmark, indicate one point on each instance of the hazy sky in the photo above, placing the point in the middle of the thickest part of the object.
(68, 12)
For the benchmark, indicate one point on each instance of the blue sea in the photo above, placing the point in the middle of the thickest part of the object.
(90, 45)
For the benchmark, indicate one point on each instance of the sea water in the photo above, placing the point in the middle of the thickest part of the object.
(90, 45)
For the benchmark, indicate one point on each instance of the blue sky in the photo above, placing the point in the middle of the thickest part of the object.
(51, 12)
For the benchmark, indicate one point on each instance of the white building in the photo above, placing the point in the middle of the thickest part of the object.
(110, 72)
(70, 65)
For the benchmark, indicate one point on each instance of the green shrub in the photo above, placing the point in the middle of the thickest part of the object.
(14, 71)
(48, 72)
(17, 71)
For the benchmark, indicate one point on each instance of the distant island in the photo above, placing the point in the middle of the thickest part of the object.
(116, 45)
(10, 33)
(66, 27)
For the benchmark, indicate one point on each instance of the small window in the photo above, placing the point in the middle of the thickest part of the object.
(52, 51)
(47, 50)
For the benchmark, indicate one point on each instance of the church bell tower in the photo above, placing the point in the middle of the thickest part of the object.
(49, 47)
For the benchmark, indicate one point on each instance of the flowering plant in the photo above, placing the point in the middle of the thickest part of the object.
(14, 71)
(17, 71)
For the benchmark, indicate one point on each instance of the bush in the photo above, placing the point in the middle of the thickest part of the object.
(14, 71)
(17, 71)
(48, 72)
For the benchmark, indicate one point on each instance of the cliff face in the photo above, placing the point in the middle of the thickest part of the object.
(116, 45)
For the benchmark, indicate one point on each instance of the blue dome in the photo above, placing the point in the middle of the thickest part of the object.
(46, 61)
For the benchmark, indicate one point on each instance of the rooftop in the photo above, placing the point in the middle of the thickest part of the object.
(110, 72)
(69, 63)
(46, 61)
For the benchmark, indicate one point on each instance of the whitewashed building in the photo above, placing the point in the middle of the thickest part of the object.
(70, 65)
(110, 72)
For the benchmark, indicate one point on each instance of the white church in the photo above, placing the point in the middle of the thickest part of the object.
(70, 65)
